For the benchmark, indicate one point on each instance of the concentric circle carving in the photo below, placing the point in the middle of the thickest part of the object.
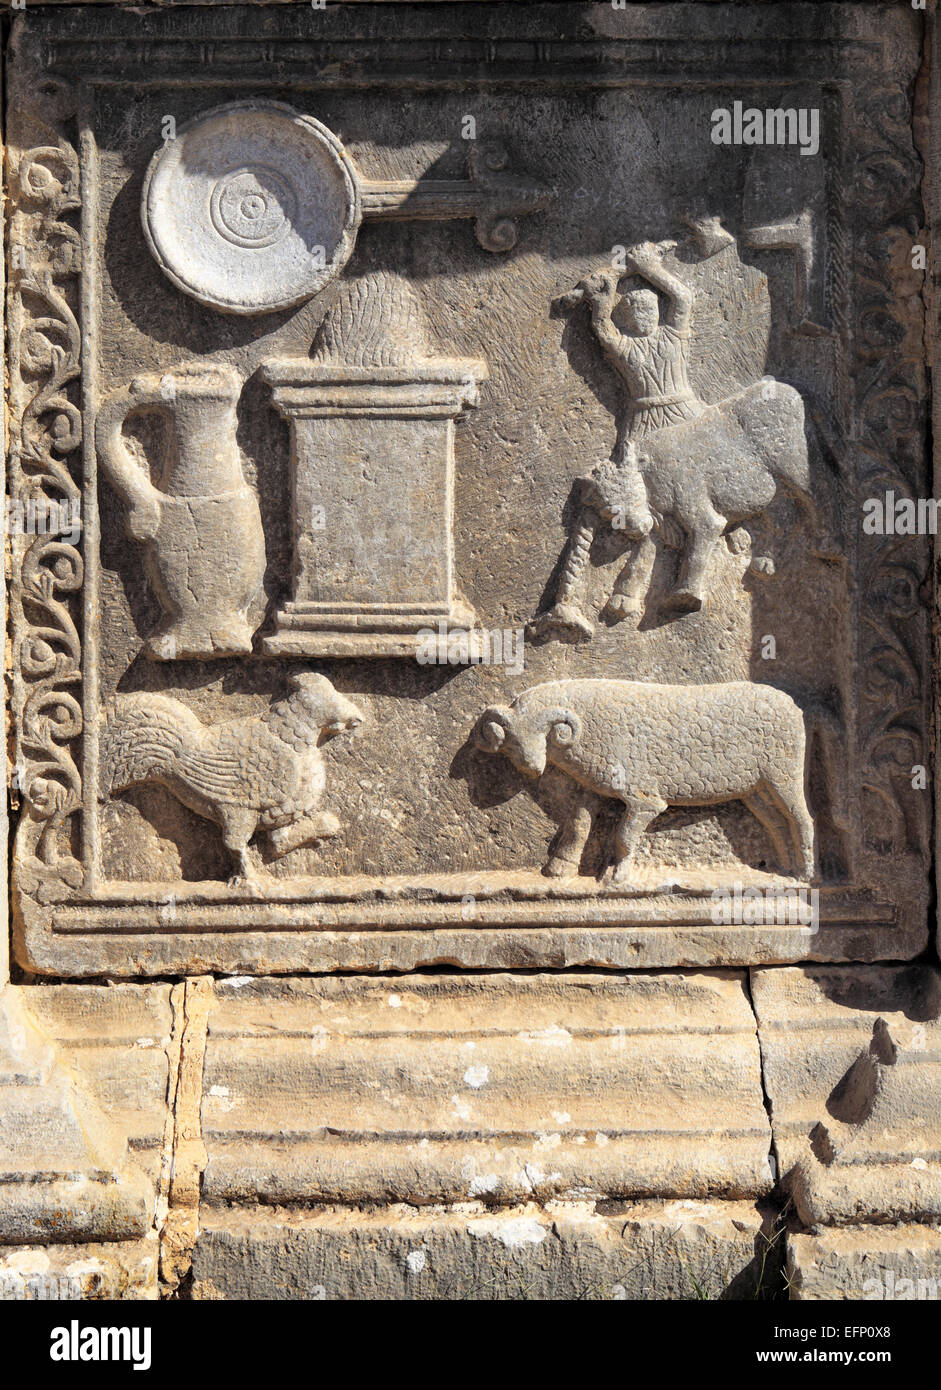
(253, 207)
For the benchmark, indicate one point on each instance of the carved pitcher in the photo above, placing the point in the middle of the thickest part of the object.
(201, 525)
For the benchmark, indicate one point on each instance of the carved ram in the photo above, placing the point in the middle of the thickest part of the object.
(653, 746)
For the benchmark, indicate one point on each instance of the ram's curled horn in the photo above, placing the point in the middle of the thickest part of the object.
(490, 730)
(564, 725)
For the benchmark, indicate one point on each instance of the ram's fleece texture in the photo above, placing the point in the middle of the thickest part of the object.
(654, 746)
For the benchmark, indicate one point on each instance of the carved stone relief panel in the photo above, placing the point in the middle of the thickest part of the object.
(460, 489)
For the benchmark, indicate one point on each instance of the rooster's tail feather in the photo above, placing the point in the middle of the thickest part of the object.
(142, 738)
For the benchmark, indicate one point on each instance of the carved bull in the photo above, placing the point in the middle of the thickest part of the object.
(713, 471)
(653, 746)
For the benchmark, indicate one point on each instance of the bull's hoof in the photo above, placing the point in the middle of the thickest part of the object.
(563, 622)
(329, 826)
(619, 606)
(247, 884)
(560, 868)
(685, 601)
(618, 875)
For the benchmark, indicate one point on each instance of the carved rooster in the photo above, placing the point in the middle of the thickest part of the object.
(261, 773)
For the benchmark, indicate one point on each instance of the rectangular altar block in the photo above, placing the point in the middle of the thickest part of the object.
(373, 469)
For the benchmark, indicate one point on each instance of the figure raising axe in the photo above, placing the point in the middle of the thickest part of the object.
(651, 358)
(688, 468)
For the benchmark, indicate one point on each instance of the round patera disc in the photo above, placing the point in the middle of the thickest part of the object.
(252, 207)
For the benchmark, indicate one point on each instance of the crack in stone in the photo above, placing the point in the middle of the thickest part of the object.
(184, 1154)
(765, 1094)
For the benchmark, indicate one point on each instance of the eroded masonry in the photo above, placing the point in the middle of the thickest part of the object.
(470, 743)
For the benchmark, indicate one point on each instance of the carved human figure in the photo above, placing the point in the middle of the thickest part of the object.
(205, 546)
(703, 466)
(652, 746)
(261, 773)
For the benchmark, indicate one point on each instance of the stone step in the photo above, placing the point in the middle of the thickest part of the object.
(65, 1170)
(567, 1250)
(442, 1088)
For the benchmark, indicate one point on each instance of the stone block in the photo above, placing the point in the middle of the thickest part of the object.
(534, 463)
(565, 1250)
(470, 563)
(891, 1264)
(432, 1089)
(80, 1091)
(106, 1270)
(852, 1067)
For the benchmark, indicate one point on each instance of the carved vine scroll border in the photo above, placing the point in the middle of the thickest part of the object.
(891, 431)
(44, 346)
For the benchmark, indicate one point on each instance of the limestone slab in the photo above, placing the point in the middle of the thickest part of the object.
(104, 1270)
(76, 1110)
(656, 1250)
(692, 369)
(443, 595)
(499, 1087)
(883, 1264)
(852, 1067)
(114, 1040)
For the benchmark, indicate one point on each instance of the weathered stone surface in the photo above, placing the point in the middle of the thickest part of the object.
(852, 1067)
(565, 1250)
(445, 1088)
(108, 1270)
(83, 1096)
(611, 462)
(114, 1042)
(881, 1263)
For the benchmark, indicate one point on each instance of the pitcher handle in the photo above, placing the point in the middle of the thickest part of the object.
(125, 475)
